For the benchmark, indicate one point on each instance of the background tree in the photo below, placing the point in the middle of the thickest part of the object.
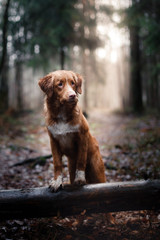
(136, 79)
(3, 79)
(143, 20)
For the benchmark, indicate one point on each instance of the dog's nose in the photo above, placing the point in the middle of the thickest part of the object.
(72, 96)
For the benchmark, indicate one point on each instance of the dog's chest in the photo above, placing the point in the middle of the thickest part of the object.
(64, 134)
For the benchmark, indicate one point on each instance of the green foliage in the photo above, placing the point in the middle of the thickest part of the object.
(146, 16)
(40, 28)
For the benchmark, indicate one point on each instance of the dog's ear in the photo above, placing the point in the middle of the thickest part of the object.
(79, 83)
(46, 84)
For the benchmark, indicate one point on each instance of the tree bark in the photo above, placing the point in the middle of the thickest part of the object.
(3, 78)
(4, 36)
(19, 85)
(136, 79)
(84, 62)
(95, 198)
(62, 57)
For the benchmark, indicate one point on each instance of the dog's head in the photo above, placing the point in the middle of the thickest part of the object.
(62, 85)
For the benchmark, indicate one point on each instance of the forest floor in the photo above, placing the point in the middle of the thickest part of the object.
(130, 147)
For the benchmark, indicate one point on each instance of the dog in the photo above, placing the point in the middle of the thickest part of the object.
(69, 131)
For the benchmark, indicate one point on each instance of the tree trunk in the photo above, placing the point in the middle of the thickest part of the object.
(62, 57)
(95, 198)
(154, 84)
(3, 79)
(85, 83)
(136, 80)
(4, 36)
(19, 88)
(84, 64)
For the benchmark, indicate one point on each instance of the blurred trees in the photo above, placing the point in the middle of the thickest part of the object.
(43, 29)
(143, 20)
(40, 30)
(37, 32)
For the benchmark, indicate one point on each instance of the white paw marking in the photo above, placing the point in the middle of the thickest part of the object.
(80, 177)
(54, 185)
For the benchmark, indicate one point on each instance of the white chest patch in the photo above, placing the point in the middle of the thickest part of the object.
(63, 133)
(63, 128)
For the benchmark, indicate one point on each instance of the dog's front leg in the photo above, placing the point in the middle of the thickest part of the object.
(57, 181)
(80, 178)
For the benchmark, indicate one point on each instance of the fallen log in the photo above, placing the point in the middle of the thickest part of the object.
(105, 197)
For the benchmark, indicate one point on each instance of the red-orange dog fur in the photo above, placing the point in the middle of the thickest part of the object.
(69, 132)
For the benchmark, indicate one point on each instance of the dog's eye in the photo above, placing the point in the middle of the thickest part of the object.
(72, 83)
(60, 84)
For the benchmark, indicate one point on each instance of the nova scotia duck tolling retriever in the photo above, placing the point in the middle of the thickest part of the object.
(69, 132)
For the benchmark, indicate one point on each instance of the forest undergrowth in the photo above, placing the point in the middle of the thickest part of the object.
(130, 146)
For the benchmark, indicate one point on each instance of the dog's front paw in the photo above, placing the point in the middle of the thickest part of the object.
(80, 178)
(55, 184)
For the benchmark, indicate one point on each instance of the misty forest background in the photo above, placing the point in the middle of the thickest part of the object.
(115, 45)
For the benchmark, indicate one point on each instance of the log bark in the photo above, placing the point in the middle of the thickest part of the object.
(95, 198)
